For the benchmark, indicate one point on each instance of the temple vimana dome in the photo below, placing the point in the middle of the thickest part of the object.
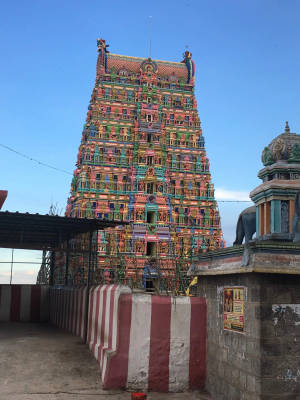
(142, 159)
(275, 196)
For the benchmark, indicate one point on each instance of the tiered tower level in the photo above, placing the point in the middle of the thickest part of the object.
(142, 159)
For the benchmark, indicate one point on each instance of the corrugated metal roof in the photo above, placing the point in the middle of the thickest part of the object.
(38, 232)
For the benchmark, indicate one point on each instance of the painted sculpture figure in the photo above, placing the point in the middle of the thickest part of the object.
(246, 225)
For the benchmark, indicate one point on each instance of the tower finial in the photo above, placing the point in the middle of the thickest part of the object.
(150, 35)
(287, 128)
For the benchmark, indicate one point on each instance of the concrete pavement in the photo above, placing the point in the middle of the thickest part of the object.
(41, 362)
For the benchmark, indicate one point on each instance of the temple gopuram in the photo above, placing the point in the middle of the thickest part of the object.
(142, 159)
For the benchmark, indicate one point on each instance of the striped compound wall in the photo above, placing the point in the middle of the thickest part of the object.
(141, 341)
(24, 303)
(67, 309)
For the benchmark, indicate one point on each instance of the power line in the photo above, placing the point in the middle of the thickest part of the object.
(234, 201)
(66, 172)
(35, 160)
(21, 262)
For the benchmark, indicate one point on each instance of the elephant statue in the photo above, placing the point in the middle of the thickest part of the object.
(296, 220)
(246, 225)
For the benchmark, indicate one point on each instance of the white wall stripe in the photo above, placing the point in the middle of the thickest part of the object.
(91, 323)
(100, 293)
(138, 361)
(106, 328)
(179, 344)
(120, 290)
(114, 328)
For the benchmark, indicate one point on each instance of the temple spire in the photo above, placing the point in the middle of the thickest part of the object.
(287, 128)
(150, 36)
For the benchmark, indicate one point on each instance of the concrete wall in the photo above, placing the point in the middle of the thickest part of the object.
(24, 303)
(140, 341)
(264, 362)
(279, 313)
(67, 309)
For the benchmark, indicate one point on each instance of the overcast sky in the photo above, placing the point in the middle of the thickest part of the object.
(247, 56)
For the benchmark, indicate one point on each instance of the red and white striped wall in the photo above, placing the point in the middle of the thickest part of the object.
(140, 341)
(147, 342)
(67, 309)
(104, 327)
(24, 303)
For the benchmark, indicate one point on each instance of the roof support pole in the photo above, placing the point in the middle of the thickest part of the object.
(88, 288)
(67, 263)
(52, 263)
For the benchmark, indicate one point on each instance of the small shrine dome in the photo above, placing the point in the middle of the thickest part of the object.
(281, 157)
(275, 197)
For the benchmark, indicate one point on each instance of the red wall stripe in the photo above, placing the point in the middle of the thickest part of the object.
(197, 369)
(159, 344)
(63, 307)
(15, 303)
(69, 293)
(59, 292)
(71, 310)
(90, 325)
(35, 303)
(66, 312)
(117, 366)
(75, 310)
(79, 305)
(81, 294)
(95, 328)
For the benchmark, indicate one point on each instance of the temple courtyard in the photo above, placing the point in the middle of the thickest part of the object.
(42, 362)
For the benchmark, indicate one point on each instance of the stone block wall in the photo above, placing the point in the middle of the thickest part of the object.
(233, 359)
(264, 361)
(279, 314)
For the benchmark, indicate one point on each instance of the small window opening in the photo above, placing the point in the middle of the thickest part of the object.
(151, 249)
(150, 188)
(150, 160)
(150, 217)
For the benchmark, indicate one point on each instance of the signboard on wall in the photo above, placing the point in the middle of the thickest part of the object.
(234, 308)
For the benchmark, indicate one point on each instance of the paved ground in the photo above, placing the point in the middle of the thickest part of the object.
(41, 362)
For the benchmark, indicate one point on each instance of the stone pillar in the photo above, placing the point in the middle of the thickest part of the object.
(261, 219)
(291, 213)
(275, 216)
(267, 217)
(257, 221)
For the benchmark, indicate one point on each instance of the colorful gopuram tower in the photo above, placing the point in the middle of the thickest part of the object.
(142, 159)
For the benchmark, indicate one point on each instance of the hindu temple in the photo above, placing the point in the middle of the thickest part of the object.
(142, 159)
(275, 197)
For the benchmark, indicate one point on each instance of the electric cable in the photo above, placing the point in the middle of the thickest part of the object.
(33, 159)
(69, 173)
